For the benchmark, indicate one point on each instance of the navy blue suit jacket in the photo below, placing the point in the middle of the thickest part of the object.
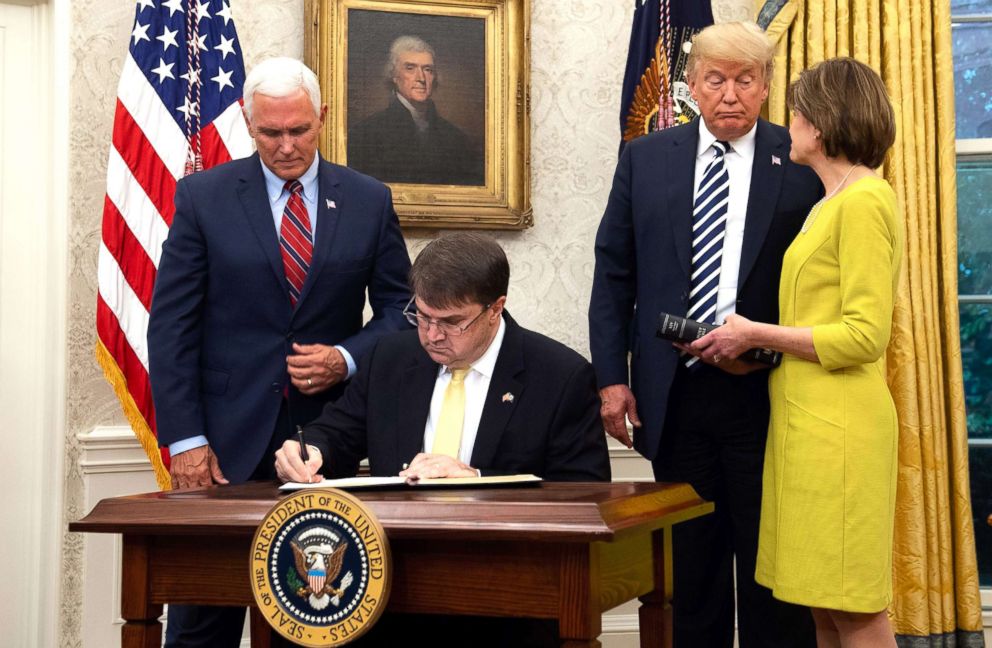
(541, 414)
(221, 322)
(643, 258)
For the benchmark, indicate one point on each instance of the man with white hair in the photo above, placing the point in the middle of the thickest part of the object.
(409, 141)
(256, 317)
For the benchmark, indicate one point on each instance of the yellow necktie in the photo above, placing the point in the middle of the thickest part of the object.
(448, 433)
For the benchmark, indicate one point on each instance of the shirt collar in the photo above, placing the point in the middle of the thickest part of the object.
(486, 363)
(743, 146)
(274, 185)
(419, 116)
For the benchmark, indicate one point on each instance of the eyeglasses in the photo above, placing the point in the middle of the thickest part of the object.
(449, 329)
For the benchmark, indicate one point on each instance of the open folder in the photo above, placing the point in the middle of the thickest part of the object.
(385, 482)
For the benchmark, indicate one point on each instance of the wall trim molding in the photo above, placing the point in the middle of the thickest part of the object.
(111, 462)
(986, 593)
(116, 466)
(617, 623)
(111, 449)
(618, 451)
(108, 434)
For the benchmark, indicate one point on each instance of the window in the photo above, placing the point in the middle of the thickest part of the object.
(972, 38)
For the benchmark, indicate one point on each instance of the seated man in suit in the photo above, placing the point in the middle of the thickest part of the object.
(469, 392)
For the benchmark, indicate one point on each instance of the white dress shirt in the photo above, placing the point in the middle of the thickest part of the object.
(419, 116)
(275, 188)
(738, 161)
(476, 387)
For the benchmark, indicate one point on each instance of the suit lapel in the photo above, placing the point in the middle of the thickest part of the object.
(766, 184)
(414, 401)
(682, 165)
(329, 211)
(505, 390)
(255, 203)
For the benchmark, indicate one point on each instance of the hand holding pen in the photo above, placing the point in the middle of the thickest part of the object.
(303, 453)
(297, 462)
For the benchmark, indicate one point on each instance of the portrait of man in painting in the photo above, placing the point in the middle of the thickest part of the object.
(416, 97)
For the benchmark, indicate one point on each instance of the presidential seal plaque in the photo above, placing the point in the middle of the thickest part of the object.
(320, 568)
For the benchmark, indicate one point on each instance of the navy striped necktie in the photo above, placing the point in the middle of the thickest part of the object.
(295, 240)
(709, 224)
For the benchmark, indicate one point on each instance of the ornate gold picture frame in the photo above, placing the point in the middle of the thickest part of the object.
(431, 97)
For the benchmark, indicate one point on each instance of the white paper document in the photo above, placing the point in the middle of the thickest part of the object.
(373, 482)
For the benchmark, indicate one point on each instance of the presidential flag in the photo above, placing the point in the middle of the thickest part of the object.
(655, 94)
(178, 111)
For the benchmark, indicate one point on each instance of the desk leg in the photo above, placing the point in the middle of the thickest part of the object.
(261, 631)
(579, 620)
(656, 606)
(141, 627)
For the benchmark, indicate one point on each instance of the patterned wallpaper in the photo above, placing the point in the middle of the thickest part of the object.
(578, 49)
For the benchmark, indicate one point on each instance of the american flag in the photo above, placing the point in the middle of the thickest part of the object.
(654, 95)
(178, 110)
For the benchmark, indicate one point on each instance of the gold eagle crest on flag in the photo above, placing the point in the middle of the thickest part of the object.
(656, 90)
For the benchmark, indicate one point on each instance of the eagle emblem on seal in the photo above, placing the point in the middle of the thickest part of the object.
(319, 554)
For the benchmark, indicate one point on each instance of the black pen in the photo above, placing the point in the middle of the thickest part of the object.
(304, 455)
(303, 444)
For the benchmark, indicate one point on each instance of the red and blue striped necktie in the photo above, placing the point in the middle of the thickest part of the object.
(295, 240)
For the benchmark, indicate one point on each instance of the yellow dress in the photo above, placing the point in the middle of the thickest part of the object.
(829, 486)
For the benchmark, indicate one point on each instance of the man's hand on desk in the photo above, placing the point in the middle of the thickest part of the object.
(436, 466)
(194, 468)
(290, 466)
(314, 368)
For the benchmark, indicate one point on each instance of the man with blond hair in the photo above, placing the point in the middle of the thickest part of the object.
(696, 225)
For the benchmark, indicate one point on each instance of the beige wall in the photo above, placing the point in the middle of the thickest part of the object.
(578, 49)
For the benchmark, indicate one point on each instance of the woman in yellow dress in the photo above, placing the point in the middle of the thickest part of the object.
(828, 499)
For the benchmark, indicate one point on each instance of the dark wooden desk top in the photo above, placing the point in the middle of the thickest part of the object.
(558, 512)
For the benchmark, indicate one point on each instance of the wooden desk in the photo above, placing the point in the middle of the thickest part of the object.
(558, 551)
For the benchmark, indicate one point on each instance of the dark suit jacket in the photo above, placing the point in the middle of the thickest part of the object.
(550, 427)
(389, 147)
(643, 258)
(221, 321)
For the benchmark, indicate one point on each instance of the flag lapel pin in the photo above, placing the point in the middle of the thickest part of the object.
(331, 204)
(776, 160)
(507, 397)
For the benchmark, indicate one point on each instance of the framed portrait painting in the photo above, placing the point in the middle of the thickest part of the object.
(432, 98)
